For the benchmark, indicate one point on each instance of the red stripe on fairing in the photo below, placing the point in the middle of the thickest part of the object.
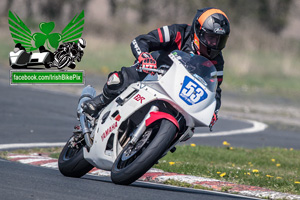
(220, 79)
(161, 39)
(178, 40)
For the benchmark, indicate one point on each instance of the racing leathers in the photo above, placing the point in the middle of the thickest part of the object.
(160, 43)
(175, 37)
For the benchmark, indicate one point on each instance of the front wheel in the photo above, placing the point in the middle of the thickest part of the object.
(64, 61)
(71, 162)
(134, 161)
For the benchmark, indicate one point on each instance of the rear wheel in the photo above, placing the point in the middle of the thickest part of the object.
(71, 161)
(136, 160)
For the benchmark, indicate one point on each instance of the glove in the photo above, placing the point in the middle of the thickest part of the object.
(213, 120)
(147, 61)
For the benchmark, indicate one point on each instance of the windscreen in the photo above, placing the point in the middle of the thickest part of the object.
(200, 67)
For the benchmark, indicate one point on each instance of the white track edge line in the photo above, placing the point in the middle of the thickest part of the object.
(30, 145)
(257, 127)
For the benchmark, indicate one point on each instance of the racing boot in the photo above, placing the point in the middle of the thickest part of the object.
(111, 90)
(95, 105)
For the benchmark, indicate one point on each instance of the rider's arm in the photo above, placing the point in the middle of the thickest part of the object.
(219, 64)
(164, 38)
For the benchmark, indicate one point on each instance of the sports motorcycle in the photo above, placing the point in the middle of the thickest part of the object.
(144, 122)
(65, 58)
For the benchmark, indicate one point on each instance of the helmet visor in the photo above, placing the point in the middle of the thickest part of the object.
(214, 41)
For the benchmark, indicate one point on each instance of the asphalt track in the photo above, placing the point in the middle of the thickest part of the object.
(29, 115)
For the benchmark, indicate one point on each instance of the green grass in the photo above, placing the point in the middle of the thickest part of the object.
(52, 152)
(102, 57)
(262, 71)
(273, 168)
(287, 87)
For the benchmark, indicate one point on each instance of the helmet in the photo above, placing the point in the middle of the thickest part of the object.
(81, 43)
(210, 31)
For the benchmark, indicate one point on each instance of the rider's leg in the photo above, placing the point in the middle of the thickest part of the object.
(116, 83)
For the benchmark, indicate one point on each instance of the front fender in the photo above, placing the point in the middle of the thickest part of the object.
(157, 115)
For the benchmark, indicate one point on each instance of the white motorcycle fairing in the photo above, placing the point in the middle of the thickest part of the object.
(185, 92)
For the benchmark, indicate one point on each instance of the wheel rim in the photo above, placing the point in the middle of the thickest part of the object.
(132, 152)
(72, 149)
(64, 61)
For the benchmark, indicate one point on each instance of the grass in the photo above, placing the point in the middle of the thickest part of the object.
(273, 168)
(102, 57)
(52, 152)
(262, 71)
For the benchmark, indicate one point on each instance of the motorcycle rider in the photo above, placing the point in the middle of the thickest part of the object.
(206, 36)
(75, 48)
(18, 47)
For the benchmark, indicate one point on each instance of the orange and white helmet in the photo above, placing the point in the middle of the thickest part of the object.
(210, 31)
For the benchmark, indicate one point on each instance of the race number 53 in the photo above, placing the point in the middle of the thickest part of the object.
(191, 92)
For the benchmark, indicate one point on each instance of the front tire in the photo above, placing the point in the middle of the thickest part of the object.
(128, 168)
(71, 162)
(64, 62)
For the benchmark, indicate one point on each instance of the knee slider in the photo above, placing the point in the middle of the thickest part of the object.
(114, 78)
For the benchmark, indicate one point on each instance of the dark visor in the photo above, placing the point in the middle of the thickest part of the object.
(214, 41)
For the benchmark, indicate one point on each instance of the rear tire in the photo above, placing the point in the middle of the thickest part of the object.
(71, 162)
(125, 172)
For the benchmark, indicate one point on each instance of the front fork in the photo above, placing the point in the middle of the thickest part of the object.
(142, 126)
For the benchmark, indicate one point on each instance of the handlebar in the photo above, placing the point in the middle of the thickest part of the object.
(158, 71)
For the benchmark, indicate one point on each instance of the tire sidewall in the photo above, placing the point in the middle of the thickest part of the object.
(148, 157)
(76, 166)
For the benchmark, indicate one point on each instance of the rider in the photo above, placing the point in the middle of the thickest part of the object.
(206, 36)
(75, 48)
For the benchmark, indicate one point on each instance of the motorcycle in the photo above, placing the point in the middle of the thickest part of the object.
(65, 58)
(144, 122)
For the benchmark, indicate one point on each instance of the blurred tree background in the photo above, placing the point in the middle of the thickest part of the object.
(261, 54)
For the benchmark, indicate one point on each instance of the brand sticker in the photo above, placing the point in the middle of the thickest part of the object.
(139, 98)
(109, 130)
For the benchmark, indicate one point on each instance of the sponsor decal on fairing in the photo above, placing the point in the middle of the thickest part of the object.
(191, 92)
